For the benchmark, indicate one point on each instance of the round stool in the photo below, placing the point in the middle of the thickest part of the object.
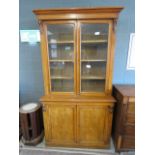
(31, 123)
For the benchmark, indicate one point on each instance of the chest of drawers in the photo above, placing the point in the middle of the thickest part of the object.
(124, 117)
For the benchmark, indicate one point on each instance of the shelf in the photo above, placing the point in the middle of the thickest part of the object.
(84, 41)
(61, 78)
(90, 60)
(59, 60)
(62, 42)
(94, 41)
(92, 78)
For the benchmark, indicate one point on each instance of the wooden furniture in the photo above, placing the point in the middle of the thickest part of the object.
(77, 55)
(124, 117)
(31, 123)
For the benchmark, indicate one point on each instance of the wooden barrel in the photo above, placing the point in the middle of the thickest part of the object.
(31, 123)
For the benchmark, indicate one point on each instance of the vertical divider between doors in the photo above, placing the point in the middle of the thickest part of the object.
(75, 59)
(78, 48)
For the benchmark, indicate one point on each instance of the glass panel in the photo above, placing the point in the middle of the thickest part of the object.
(61, 70)
(94, 45)
(64, 85)
(92, 85)
(61, 56)
(93, 70)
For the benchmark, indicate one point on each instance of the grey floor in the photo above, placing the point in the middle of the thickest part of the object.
(41, 149)
(41, 152)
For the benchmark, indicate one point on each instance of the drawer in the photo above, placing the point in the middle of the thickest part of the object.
(128, 142)
(131, 107)
(129, 130)
(130, 119)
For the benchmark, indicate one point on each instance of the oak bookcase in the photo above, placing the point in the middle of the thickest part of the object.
(77, 47)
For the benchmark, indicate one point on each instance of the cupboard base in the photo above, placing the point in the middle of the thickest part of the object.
(83, 122)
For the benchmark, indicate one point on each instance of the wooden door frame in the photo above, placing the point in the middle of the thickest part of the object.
(110, 55)
(45, 57)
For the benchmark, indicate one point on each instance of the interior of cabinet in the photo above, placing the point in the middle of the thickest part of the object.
(95, 85)
(88, 53)
(65, 85)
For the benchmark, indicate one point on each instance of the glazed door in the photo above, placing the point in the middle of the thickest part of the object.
(94, 46)
(94, 124)
(61, 38)
(60, 123)
(78, 57)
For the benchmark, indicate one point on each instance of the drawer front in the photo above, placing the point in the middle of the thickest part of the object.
(131, 107)
(130, 119)
(128, 142)
(129, 130)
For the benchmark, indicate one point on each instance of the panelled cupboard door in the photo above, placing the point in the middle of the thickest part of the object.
(94, 125)
(59, 123)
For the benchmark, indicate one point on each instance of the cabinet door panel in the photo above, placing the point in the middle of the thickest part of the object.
(61, 51)
(94, 125)
(60, 123)
(94, 49)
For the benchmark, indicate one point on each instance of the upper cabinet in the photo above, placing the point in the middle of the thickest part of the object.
(78, 49)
